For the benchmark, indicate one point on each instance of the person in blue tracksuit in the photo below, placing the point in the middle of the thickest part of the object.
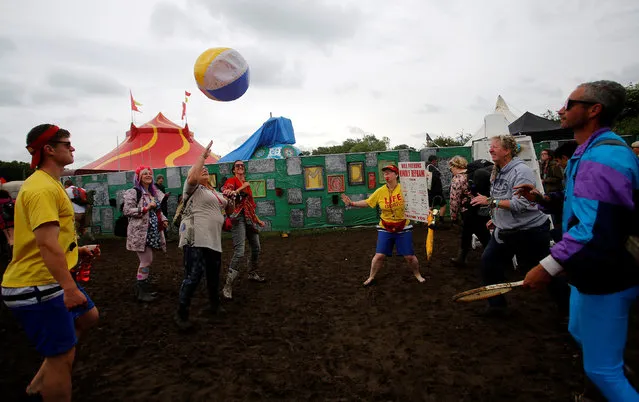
(602, 183)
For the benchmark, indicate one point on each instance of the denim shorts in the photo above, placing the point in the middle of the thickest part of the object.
(402, 240)
(49, 325)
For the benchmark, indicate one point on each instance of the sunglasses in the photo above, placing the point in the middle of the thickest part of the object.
(66, 143)
(572, 102)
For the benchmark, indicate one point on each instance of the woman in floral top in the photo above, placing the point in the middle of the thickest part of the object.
(472, 222)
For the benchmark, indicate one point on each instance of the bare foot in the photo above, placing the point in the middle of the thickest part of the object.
(420, 278)
(36, 384)
(369, 282)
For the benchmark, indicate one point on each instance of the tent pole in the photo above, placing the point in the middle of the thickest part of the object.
(117, 147)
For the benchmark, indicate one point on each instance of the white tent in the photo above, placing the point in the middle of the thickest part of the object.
(494, 123)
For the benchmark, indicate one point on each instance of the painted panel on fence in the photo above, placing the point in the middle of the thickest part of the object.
(335, 215)
(335, 163)
(95, 217)
(225, 168)
(295, 196)
(296, 218)
(173, 177)
(268, 226)
(314, 207)
(119, 198)
(129, 177)
(404, 155)
(116, 178)
(171, 204)
(265, 208)
(184, 170)
(261, 166)
(101, 197)
(335, 183)
(270, 184)
(294, 166)
(355, 173)
(371, 159)
(107, 219)
(313, 178)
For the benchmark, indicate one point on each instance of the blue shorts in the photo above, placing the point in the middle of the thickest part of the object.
(403, 240)
(49, 325)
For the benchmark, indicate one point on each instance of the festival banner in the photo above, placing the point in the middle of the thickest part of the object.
(414, 180)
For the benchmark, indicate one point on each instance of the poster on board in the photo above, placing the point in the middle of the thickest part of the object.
(413, 178)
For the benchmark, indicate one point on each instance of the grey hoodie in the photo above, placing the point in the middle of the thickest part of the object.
(522, 214)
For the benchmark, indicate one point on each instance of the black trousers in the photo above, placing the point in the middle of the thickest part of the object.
(199, 261)
(529, 246)
(474, 224)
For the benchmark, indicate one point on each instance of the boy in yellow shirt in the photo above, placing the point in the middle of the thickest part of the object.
(37, 285)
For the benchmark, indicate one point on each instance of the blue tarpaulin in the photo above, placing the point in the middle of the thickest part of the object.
(276, 130)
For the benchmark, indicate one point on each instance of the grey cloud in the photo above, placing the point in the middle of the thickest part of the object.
(377, 94)
(11, 93)
(429, 109)
(85, 82)
(357, 130)
(48, 96)
(268, 71)
(318, 22)
(6, 46)
(481, 104)
(168, 19)
(347, 88)
(239, 140)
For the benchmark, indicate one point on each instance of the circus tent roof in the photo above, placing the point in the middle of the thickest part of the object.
(158, 143)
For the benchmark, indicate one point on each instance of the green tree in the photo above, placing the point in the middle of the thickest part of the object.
(368, 143)
(15, 170)
(443, 141)
(403, 146)
(550, 115)
(628, 121)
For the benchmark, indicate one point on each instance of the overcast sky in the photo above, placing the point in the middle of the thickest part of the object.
(337, 69)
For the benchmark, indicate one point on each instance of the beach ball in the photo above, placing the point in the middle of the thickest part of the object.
(222, 74)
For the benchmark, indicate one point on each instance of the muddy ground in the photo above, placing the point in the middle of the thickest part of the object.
(314, 333)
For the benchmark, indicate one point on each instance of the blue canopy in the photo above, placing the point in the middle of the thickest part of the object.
(276, 130)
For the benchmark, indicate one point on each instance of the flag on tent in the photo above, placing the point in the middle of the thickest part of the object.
(186, 96)
(134, 103)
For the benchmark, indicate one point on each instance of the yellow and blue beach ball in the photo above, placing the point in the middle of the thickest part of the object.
(222, 74)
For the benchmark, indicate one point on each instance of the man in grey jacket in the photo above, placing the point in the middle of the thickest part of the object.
(520, 229)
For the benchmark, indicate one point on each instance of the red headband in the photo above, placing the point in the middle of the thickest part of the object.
(35, 148)
(141, 168)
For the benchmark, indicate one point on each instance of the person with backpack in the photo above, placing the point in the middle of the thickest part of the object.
(78, 197)
(460, 195)
(201, 240)
(145, 230)
(599, 223)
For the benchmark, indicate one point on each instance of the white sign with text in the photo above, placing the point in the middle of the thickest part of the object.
(414, 181)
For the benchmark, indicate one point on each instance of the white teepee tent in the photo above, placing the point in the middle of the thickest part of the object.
(494, 123)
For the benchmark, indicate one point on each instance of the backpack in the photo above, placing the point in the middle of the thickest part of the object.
(79, 196)
(122, 223)
(478, 173)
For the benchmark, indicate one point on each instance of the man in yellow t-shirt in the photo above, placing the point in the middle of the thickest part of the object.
(37, 285)
(394, 229)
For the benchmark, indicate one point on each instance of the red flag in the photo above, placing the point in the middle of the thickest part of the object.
(183, 110)
(187, 93)
(134, 104)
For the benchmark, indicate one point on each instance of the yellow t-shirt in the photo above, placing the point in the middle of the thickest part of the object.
(41, 199)
(391, 204)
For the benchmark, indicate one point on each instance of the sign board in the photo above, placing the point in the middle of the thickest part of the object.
(413, 177)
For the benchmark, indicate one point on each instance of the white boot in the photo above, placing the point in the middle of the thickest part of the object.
(227, 291)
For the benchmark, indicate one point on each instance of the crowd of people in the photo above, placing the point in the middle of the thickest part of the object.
(589, 194)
